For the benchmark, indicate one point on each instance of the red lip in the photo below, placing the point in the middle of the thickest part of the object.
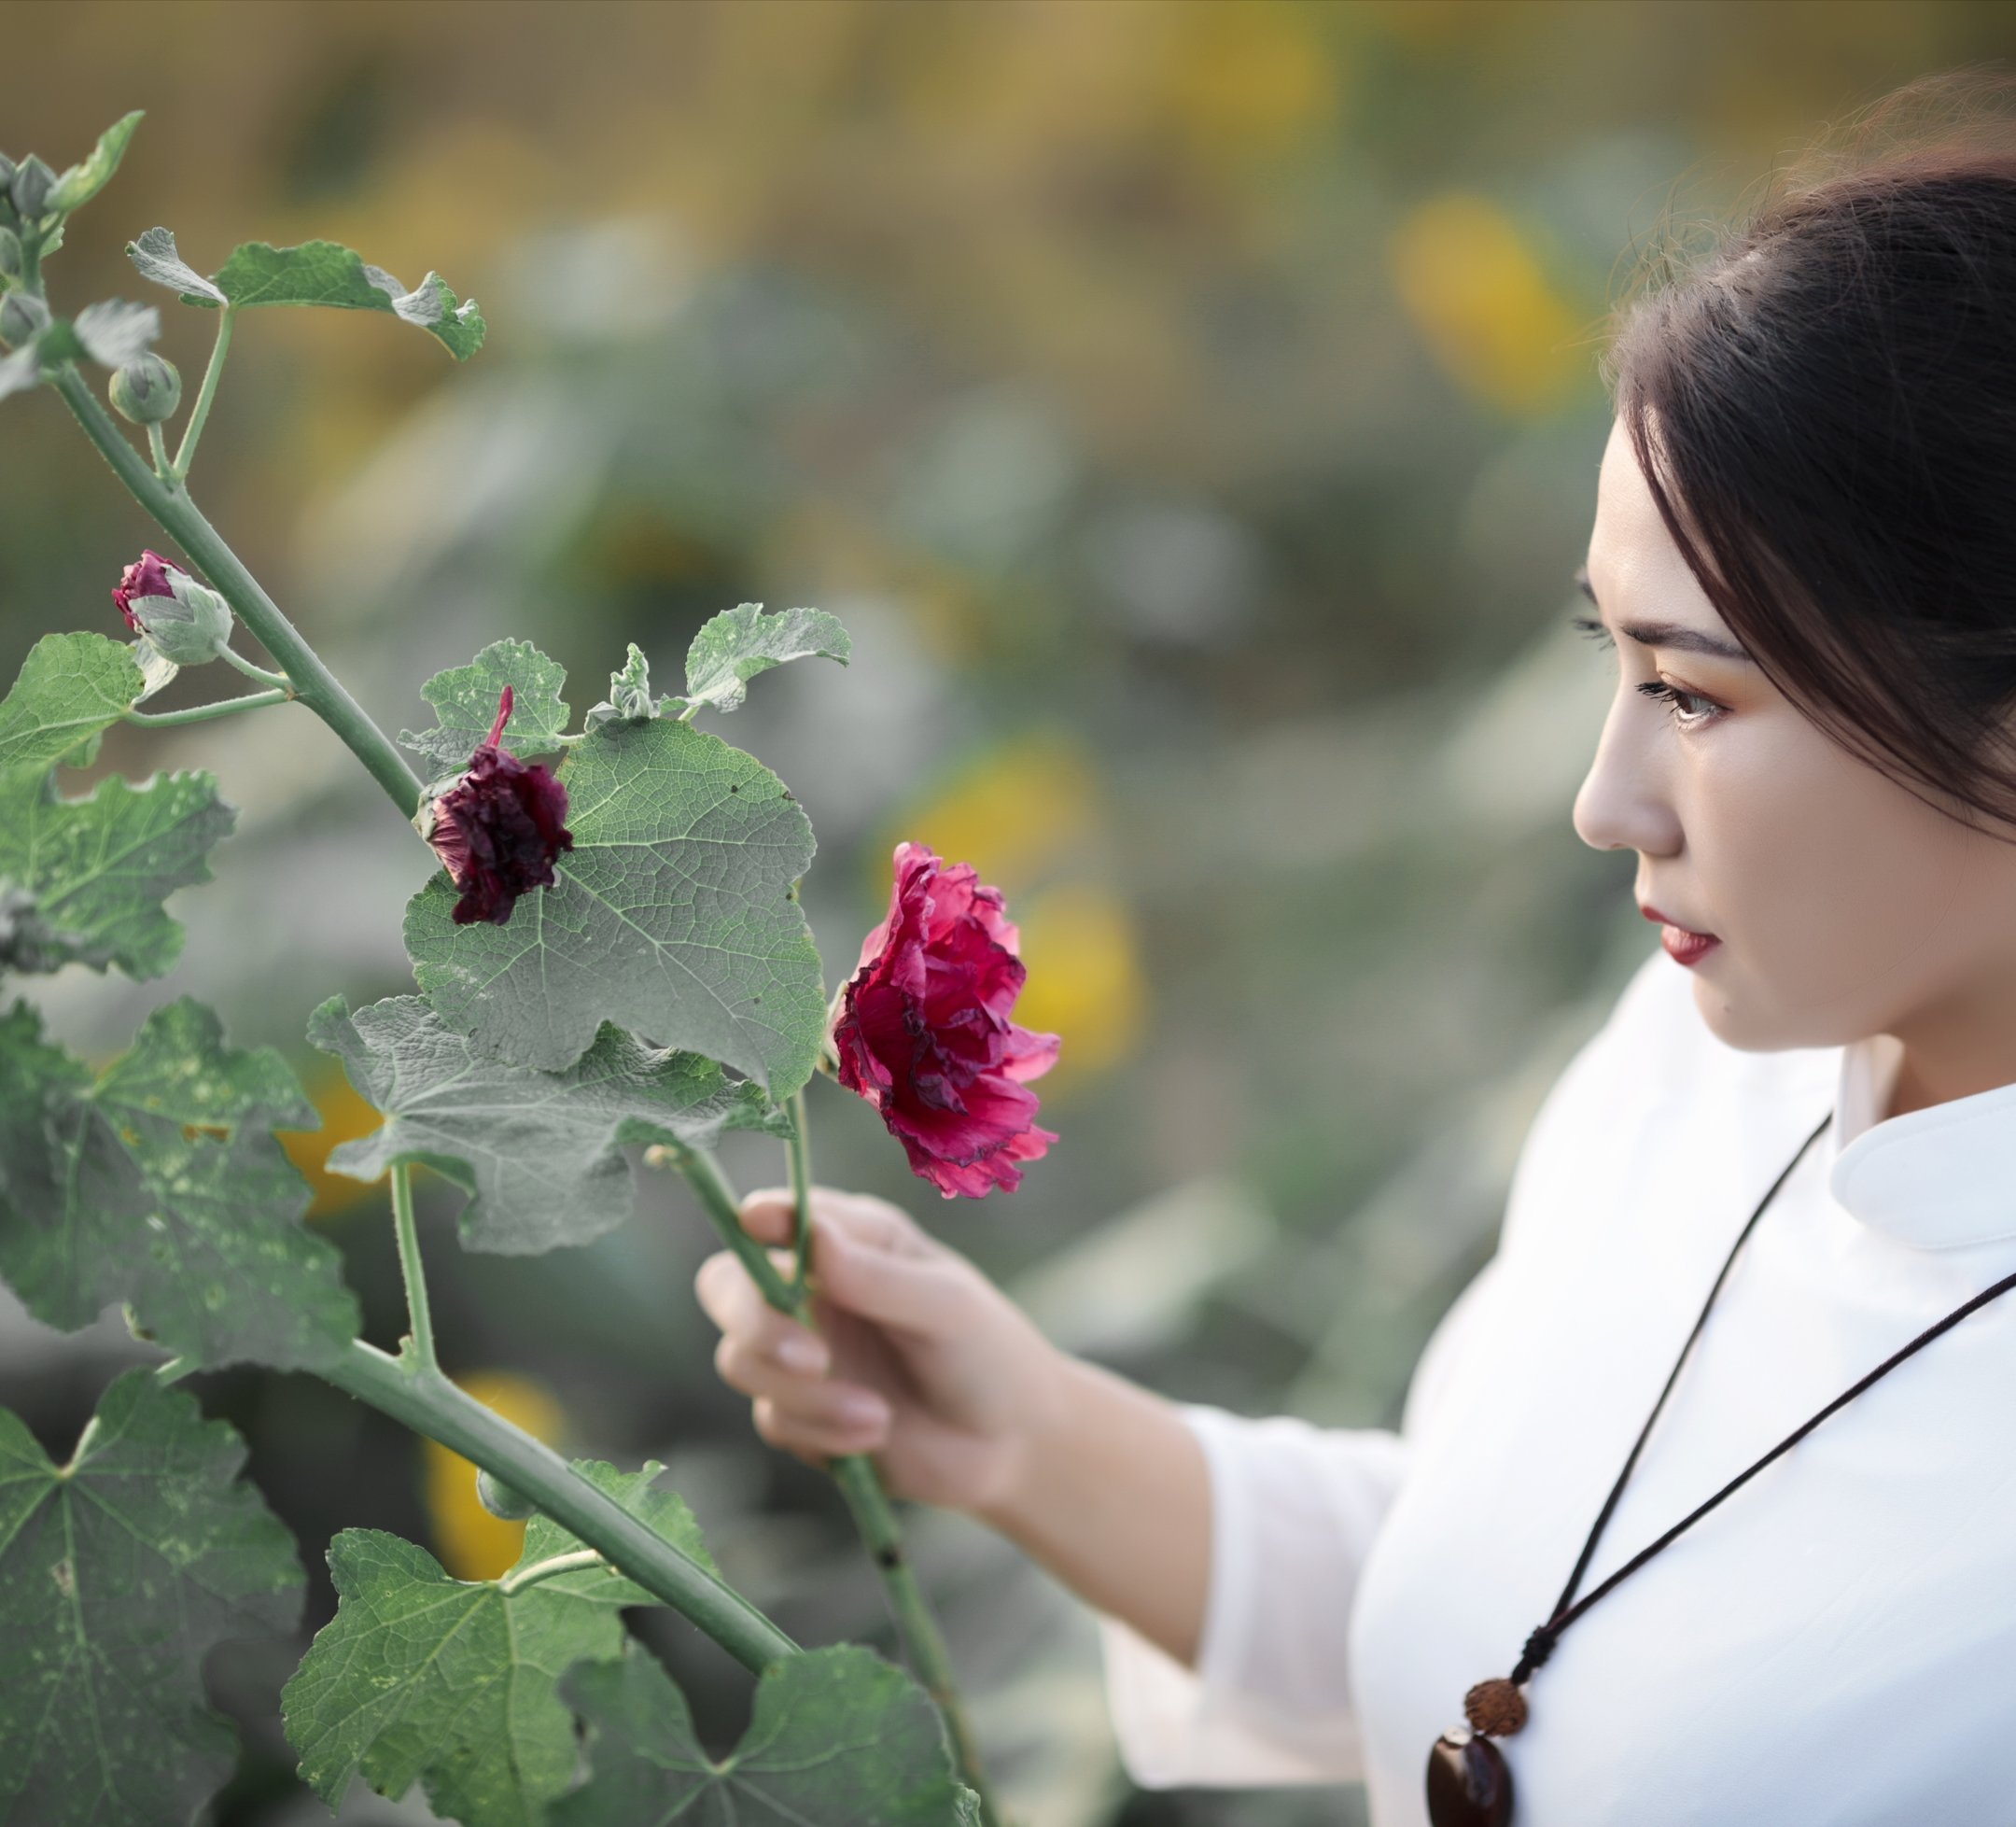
(1667, 919)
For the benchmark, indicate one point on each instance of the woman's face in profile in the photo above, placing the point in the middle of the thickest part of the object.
(1843, 905)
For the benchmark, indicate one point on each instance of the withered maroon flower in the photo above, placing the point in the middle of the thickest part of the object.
(922, 1029)
(498, 828)
(146, 576)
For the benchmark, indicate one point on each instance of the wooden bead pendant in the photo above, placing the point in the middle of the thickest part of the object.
(1468, 1783)
(1496, 1707)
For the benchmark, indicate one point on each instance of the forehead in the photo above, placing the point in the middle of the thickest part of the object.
(1631, 554)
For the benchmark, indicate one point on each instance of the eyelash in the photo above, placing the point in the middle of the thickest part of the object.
(1657, 688)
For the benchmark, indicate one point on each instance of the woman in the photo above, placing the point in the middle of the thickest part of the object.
(1804, 552)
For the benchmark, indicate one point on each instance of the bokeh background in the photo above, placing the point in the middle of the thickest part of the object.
(1192, 412)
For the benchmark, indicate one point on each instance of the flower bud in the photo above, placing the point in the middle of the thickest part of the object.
(181, 619)
(30, 187)
(23, 316)
(146, 391)
(499, 1499)
(11, 257)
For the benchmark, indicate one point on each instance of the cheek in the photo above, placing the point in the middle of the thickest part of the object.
(1839, 896)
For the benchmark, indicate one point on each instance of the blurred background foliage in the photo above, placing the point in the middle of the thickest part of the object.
(1192, 411)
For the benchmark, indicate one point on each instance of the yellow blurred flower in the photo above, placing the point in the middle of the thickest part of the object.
(469, 1541)
(1480, 301)
(1085, 981)
(345, 1118)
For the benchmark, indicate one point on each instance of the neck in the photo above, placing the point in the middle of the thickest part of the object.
(1937, 1068)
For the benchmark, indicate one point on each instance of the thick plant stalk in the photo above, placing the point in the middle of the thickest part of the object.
(855, 1473)
(314, 683)
(425, 1401)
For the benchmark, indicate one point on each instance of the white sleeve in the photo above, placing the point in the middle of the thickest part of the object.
(1294, 1511)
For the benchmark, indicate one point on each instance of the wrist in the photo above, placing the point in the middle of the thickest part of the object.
(1031, 1466)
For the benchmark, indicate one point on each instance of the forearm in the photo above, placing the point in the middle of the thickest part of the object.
(1113, 1497)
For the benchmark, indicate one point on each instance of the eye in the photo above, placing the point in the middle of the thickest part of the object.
(1676, 699)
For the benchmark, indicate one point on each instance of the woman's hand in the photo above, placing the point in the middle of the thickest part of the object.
(918, 1358)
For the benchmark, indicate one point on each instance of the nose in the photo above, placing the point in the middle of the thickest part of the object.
(1623, 803)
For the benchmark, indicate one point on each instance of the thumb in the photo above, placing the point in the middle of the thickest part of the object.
(930, 1295)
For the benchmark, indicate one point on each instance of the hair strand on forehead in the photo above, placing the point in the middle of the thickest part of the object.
(1823, 405)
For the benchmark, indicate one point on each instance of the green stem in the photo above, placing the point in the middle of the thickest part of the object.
(315, 684)
(419, 1317)
(425, 1401)
(186, 451)
(546, 1569)
(161, 453)
(202, 713)
(801, 1181)
(859, 1483)
(232, 658)
(174, 1370)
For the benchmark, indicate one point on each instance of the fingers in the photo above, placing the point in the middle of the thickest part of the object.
(768, 1214)
(818, 1436)
(728, 1295)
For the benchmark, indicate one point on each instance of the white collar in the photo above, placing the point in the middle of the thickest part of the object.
(1936, 1179)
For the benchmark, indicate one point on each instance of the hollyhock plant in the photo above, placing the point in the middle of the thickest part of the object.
(498, 828)
(922, 1029)
(181, 619)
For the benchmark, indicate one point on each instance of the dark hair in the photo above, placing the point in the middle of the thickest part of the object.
(1824, 410)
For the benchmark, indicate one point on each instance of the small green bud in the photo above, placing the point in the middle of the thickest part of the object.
(30, 187)
(23, 316)
(499, 1499)
(190, 627)
(144, 390)
(11, 257)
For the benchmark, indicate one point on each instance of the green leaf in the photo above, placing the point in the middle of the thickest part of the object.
(114, 332)
(464, 701)
(313, 273)
(674, 915)
(81, 183)
(836, 1736)
(539, 1152)
(738, 643)
(119, 1572)
(630, 694)
(99, 868)
(158, 1182)
(71, 689)
(450, 1683)
(154, 253)
(19, 371)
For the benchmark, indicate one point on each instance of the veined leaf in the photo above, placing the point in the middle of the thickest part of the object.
(313, 273)
(837, 1735)
(157, 1182)
(450, 1683)
(99, 868)
(70, 690)
(539, 1152)
(117, 1574)
(675, 915)
(738, 643)
(465, 701)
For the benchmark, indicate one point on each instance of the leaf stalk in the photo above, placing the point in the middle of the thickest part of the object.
(186, 451)
(419, 1316)
(202, 713)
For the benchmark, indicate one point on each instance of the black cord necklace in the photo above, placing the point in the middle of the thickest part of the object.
(1469, 1784)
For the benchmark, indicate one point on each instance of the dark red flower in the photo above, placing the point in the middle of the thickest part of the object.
(498, 828)
(146, 576)
(923, 1032)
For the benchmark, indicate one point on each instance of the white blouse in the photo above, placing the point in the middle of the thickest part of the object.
(1834, 1644)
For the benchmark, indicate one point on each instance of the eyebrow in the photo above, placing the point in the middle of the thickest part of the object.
(1675, 635)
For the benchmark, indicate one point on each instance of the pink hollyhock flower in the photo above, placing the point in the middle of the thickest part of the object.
(922, 1029)
(498, 828)
(146, 576)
